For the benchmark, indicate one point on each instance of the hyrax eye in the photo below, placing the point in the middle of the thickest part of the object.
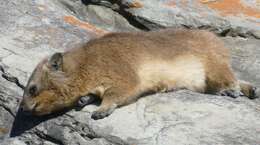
(55, 66)
(33, 90)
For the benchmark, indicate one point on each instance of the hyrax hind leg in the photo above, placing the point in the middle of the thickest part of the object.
(222, 81)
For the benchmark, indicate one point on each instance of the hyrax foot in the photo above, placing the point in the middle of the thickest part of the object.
(231, 93)
(102, 112)
(85, 100)
(254, 93)
(249, 90)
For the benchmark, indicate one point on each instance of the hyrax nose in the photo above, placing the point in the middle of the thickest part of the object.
(27, 107)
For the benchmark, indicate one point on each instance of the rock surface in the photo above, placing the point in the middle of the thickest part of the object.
(232, 17)
(31, 30)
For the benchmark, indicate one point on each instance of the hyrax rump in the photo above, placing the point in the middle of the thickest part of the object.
(120, 67)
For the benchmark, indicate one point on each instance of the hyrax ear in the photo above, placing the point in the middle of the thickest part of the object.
(56, 62)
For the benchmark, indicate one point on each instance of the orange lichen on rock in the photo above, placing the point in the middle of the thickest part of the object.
(171, 4)
(175, 3)
(136, 4)
(232, 7)
(84, 25)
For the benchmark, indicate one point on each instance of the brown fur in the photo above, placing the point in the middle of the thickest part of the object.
(120, 67)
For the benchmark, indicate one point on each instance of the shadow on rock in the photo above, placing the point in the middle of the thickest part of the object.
(23, 122)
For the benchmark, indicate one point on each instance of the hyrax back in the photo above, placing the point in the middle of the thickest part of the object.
(120, 67)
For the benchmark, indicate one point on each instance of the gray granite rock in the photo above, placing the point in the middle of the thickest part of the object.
(31, 30)
(235, 18)
(102, 17)
(12, 141)
(245, 58)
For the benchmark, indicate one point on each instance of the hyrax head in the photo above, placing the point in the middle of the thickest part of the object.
(46, 89)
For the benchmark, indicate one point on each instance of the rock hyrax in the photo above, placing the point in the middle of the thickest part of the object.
(120, 67)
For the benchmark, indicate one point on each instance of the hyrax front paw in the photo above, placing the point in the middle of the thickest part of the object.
(102, 113)
(99, 115)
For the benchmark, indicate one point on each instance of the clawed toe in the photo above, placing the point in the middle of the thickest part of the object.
(231, 93)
